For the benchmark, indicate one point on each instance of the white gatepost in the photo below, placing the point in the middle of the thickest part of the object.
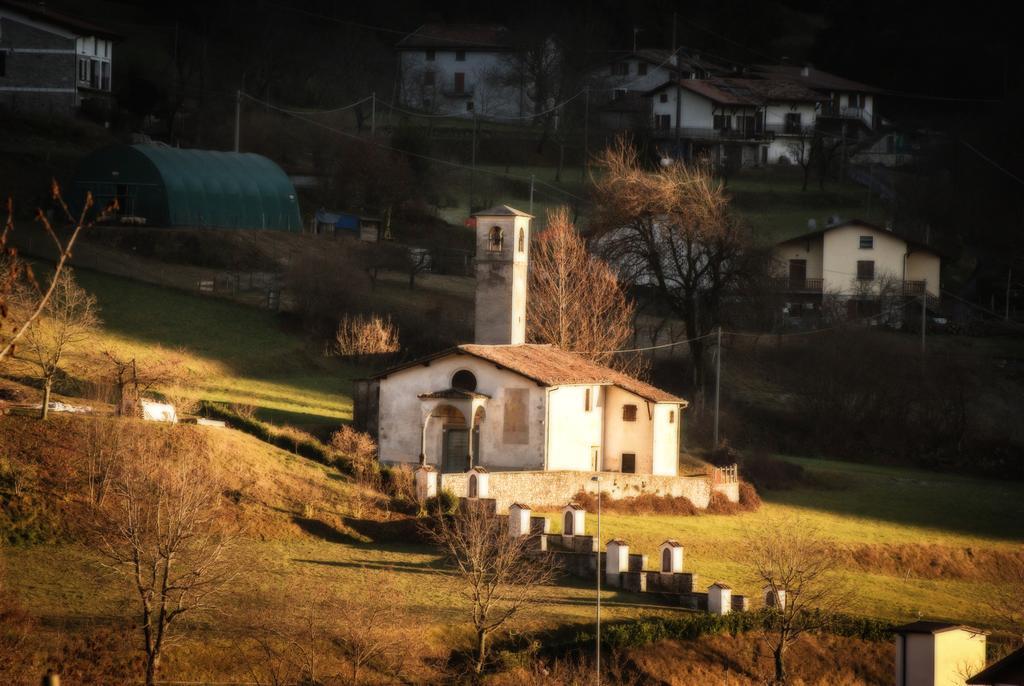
(671, 553)
(518, 520)
(719, 599)
(426, 482)
(775, 597)
(477, 483)
(574, 520)
(616, 561)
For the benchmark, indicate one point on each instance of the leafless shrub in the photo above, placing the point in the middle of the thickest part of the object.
(1007, 598)
(244, 410)
(133, 379)
(361, 451)
(359, 336)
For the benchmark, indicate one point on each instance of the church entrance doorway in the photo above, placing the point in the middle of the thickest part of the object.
(455, 457)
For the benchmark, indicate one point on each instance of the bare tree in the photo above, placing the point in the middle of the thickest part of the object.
(793, 561)
(1007, 599)
(498, 574)
(70, 317)
(326, 634)
(14, 271)
(133, 379)
(802, 149)
(670, 229)
(576, 302)
(160, 530)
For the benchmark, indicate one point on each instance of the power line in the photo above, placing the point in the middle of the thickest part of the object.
(991, 161)
(428, 158)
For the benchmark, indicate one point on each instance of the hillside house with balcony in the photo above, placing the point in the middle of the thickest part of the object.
(461, 70)
(848, 107)
(857, 263)
(53, 63)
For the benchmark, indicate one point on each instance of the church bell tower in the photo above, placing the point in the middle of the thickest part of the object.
(502, 253)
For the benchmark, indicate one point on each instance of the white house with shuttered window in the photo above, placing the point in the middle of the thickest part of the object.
(507, 405)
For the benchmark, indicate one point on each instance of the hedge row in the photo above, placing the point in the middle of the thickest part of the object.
(692, 626)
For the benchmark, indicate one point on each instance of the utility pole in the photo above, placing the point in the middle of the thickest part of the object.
(532, 177)
(924, 310)
(597, 641)
(586, 133)
(679, 93)
(238, 118)
(472, 153)
(1006, 315)
(718, 379)
(373, 114)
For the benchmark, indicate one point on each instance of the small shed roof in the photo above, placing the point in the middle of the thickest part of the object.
(721, 584)
(1009, 670)
(930, 627)
(672, 543)
(573, 506)
(616, 541)
(519, 506)
(502, 211)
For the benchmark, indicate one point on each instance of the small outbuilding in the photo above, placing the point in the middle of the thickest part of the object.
(157, 185)
(937, 653)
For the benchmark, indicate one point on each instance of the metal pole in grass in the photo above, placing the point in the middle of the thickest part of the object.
(597, 641)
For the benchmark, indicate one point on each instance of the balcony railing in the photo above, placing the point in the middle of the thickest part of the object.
(710, 134)
(913, 288)
(795, 285)
(856, 113)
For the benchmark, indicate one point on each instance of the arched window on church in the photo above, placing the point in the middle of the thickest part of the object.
(496, 239)
(522, 240)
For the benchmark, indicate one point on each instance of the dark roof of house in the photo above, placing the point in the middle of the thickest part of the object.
(502, 211)
(745, 92)
(41, 12)
(1009, 670)
(868, 225)
(929, 627)
(548, 366)
(815, 78)
(457, 37)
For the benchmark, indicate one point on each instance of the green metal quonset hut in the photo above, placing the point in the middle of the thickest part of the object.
(168, 186)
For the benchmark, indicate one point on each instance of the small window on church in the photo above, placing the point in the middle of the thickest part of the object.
(464, 380)
(522, 240)
(629, 413)
(496, 239)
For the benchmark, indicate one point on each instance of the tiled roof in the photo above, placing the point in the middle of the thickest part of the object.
(815, 78)
(452, 394)
(1009, 670)
(457, 37)
(549, 366)
(553, 366)
(40, 11)
(673, 543)
(774, 90)
(867, 225)
(722, 92)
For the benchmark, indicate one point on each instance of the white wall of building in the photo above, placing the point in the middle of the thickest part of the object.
(401, 414)
(925, 266)
(574, 431)
(481, 70)
(841, 252)
(786, 145)
(809, 249)
(697, 111)
(666, 439)
(632, 80)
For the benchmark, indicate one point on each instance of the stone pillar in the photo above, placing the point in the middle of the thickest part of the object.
(426, 482)
(616, 561)
(518, 520)
(719, 599)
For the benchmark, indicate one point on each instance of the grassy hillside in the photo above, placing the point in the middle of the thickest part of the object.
(234, 353)
(913, 541)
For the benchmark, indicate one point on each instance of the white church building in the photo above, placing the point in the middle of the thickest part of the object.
(503, 404)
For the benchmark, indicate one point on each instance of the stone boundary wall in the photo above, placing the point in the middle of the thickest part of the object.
(553, 489)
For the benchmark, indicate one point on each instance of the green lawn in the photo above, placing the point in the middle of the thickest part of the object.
(877, 512)
(236, 354)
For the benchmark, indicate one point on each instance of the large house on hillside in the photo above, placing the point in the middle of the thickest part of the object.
(506, 405)
(51, 62)
(460, 70)
(857, 263)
